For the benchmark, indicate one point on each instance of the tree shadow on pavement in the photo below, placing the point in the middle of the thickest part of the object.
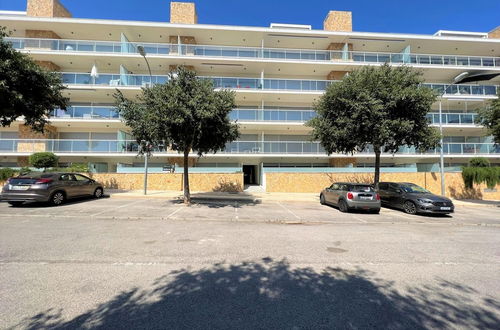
(272, 294)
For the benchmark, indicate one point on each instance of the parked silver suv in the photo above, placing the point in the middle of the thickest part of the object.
(55, 188)
(351, 196)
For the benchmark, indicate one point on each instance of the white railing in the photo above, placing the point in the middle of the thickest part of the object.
(237, 147)
(163, 49)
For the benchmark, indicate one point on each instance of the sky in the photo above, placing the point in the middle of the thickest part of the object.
(400, 16)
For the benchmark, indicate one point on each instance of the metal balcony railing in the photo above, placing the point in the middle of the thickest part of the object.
(114, 80)
(163, 49)
(237, 147)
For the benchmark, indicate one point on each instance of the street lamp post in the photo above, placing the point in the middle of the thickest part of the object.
(146, 144)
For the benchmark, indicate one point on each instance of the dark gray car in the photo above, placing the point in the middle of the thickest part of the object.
(55, 188)
(351, 196)
(413, 199)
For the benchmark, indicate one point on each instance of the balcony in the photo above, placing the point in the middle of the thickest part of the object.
(239, 147)
(248, 115)
(239, 83)
(162, 49)
(86, 112)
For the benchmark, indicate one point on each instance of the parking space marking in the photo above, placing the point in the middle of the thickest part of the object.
(171, 214)
(358, 218)
(236, 217)
(118, 207)
(288, 210)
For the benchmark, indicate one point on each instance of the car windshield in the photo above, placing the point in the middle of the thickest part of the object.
(361, 188)
(413, 188)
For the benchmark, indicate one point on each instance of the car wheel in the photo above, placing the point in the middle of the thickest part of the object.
(343, 206)
(410, 207)
(15, 204)
(98, 193)
(57, 198)
(322, 199)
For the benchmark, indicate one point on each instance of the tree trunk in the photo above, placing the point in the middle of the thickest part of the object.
(377, 165)
(187, 195)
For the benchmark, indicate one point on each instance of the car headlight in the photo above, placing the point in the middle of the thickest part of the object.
(424, 201)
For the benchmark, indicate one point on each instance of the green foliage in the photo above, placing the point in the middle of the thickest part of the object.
(74, 168)
(384, 107)
(479, 162)
(478, 175)
(24, 170)
(489, 117)
(26, 89)
(186, 114)
(5, 173)
(43, 160)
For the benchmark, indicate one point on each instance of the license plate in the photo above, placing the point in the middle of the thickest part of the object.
(365, 198)
(20, 187)
(445, 208)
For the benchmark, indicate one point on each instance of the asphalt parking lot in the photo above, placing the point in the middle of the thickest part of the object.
(119, 263)
(233, 210)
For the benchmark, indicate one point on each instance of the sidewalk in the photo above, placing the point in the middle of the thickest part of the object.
(260, 197)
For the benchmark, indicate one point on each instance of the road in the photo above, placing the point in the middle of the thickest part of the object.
(124, 264)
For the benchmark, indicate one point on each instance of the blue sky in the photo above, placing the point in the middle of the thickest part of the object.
(420, 16)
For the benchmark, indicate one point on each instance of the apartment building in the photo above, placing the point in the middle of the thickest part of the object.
(277, 73)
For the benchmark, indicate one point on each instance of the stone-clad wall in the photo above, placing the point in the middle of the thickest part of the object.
(183, 13)
(495, 34)
(205, 182)
(46, 8)
(315, 182)
(338, 21)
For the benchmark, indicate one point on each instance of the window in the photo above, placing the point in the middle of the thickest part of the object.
(67, 177)
(361, 188)
(81, 178)
(334, 186)
(383, 186)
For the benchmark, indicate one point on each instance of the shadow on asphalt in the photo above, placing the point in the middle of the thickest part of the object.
(425, 215)
(219, 203)
(271, 294)
(68, 202)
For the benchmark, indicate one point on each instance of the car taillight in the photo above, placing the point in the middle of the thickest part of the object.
(350, 195)
(377, 196)
(43, 181)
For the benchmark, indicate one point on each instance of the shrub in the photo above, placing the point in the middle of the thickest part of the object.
(6, 173)
(479, 162)
(43, 160)
(478, 175)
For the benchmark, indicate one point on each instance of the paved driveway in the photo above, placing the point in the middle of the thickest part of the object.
(230, 210)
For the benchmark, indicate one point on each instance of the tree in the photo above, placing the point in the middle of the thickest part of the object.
(185, 113)
(43, 160)
(489, 117)
(26, 90)
(383, 107)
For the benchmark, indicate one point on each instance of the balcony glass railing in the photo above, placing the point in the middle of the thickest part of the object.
(87, 112)
(250, 115)
(453, 118)
(253, 52)
(256, 83)
(238, 147)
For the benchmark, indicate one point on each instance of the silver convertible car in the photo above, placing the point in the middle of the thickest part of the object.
(54, 188)
(351, 196)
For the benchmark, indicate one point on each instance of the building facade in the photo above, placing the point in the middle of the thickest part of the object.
(277, 73)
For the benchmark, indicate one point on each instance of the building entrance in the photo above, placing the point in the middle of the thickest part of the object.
(249, 174)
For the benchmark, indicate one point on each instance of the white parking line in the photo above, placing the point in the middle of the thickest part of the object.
(288, 210)
(358, 218)
(116, 208)
(236, 210)
(171, 214)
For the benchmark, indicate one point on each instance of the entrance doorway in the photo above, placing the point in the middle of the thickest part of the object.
(249, 174)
